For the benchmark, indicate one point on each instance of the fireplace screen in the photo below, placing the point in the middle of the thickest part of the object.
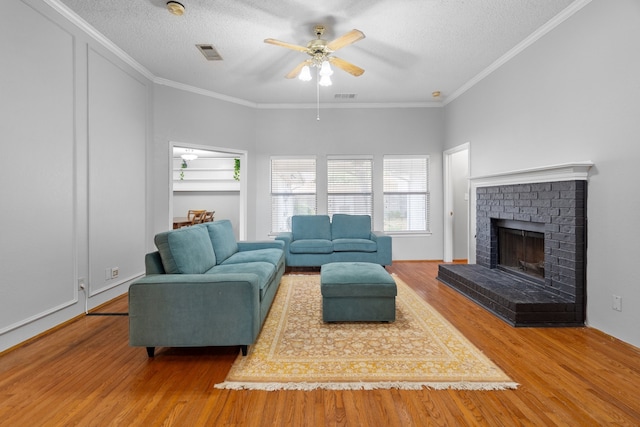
(521, 251)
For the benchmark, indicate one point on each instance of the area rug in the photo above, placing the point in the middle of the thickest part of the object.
(296, 350)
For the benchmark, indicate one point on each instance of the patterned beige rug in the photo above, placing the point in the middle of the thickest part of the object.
(296, 350)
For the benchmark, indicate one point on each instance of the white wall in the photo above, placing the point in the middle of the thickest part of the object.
(66, 110)
(354, 132)
(574, 95)
(117, 169)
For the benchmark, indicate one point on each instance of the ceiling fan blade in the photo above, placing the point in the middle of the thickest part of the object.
(345, 40)
(346, 66)
(287, 45)
(294, 73)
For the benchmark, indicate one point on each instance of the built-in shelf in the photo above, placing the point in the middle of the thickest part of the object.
(204, 174)
(206, 185)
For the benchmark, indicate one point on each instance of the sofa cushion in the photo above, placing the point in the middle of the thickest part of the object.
(354, 245)
(350, 226)
(311, 227)
(271, 255)
(263, 270)
(187, 250)
(222, 238)
(311, 246)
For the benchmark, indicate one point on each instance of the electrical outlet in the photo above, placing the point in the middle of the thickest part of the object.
(107, 273)
(617, 303)
(115, 271)
(81, 284)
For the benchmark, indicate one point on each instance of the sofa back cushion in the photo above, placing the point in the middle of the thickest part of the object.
(187, 250)
(222, 238)
(350, 226)
(311, 227)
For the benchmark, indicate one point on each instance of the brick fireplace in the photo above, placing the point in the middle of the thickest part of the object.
(530, 246)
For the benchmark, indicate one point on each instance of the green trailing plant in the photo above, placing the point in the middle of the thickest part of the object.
(236, 169)
(183, 166)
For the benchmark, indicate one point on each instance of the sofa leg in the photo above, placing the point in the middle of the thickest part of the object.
(244, 349)
(151, 351)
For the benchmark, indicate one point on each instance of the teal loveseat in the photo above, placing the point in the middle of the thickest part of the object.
(203, 288)
(315, 240)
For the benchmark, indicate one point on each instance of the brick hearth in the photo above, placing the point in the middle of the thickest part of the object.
(559, 301)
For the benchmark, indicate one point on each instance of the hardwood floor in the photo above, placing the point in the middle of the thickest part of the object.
(85, 374)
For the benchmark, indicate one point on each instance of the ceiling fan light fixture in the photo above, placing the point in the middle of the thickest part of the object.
(320, 51)
(189, 155)
(325, 69)
(325, 81)
(305, 74)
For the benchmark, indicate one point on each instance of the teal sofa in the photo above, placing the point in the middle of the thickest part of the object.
(315, 240)
(203, 288)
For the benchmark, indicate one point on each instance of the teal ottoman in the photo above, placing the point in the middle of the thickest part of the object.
(357, 292)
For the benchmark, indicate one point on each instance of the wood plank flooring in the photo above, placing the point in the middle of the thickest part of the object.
(85, 374)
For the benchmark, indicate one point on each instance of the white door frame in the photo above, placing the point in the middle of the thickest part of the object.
(242, 155)
(448, 198)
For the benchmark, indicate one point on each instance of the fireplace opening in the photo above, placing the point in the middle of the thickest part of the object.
(521, 249)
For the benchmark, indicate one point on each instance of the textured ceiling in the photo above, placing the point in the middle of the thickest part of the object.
(412, 47)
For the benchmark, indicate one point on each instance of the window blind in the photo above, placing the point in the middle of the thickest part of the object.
(293, 190)
(350, 186)
(406, 193)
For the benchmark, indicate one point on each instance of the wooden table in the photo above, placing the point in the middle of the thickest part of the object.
(180, 221)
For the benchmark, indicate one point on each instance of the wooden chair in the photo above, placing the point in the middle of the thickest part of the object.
(196, 216)
(208, 216)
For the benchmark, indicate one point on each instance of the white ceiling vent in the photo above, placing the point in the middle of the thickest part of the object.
(345, 96)
(209, 52)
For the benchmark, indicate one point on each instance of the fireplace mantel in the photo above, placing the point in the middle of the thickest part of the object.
(561, 172)
(552, 173)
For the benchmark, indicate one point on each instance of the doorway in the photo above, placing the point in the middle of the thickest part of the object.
(456, 162)
(209, 178)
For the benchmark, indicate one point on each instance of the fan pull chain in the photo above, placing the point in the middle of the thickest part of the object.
(317, 94)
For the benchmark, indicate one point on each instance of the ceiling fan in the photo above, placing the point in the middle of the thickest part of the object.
(321, 51)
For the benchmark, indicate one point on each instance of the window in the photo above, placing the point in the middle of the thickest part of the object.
(406, 193)
(349, 186)
(293, 190)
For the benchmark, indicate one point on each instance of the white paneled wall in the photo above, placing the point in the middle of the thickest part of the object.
(74, 124)
(117, 161)
(37, 168)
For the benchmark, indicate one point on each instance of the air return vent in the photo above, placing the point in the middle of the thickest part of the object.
(209, 52)
(345, 96)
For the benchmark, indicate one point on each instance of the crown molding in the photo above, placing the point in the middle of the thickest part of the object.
(108, 44)
(98, 36)
(204, 92)
(329, 105)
